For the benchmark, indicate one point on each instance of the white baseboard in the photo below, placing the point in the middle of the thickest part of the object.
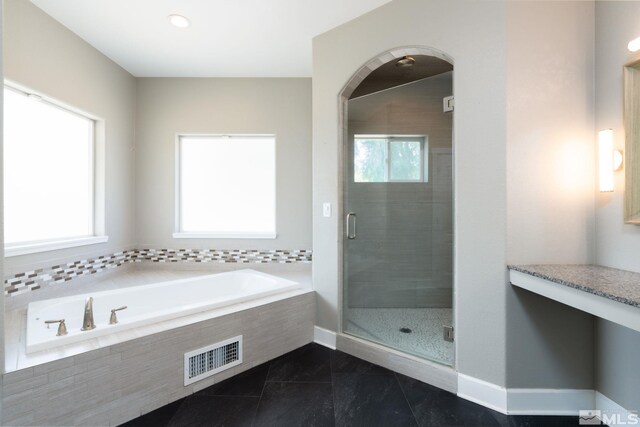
(614, 414)
(522, 401)
(483, 393)
(324, 337)
(541, 401)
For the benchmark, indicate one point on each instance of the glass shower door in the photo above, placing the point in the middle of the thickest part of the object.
(398, 200)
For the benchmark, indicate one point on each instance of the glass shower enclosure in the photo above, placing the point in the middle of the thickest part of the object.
(398, 213)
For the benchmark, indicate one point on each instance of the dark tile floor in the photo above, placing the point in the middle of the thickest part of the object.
(315, 386)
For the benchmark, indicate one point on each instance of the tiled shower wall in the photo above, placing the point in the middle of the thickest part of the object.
(403, 256)
(35, 279)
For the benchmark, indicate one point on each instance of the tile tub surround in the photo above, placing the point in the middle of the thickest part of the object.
(317, 386)
(35, 279)
(617, 285)
(128, 276)
(116, 383)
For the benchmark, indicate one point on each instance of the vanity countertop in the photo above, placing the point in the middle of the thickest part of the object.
(617, 285)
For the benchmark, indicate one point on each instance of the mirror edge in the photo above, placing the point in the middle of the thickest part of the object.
(632, 142)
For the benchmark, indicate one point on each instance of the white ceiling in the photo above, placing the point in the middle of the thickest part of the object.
(227, 38)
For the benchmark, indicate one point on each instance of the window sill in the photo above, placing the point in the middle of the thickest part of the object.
(204, 235)
(32, 248)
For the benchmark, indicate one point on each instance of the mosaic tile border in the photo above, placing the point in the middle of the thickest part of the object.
(35, 279)
(241, 256)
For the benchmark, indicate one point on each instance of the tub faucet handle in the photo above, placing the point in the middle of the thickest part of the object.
(62, 328)
(114, 319)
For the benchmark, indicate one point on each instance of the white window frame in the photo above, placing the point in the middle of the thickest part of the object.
(97, 185)
(424, 152)
(179, 233)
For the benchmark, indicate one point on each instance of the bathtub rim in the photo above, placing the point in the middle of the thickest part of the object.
(149, 286)
(75, 336)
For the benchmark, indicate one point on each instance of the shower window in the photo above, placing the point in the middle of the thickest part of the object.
(390, 158)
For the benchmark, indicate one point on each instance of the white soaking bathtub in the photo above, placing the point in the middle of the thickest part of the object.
(146, 305)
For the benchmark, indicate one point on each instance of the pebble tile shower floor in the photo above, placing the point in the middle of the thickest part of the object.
(316, 386)
(385, 325)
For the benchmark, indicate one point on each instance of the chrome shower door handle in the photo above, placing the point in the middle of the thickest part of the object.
(351, 236)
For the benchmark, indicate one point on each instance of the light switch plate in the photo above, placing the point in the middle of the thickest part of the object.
(326, 210)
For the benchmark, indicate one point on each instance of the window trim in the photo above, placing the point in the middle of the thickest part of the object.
(424, 151)
(16, 249)
(96, 184)
(178, 232)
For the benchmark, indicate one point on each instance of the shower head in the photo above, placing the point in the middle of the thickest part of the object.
(405, 62)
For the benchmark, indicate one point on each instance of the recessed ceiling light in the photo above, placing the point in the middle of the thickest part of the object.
(179, 21)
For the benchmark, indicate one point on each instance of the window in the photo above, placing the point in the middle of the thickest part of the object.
(226, 186)
(48, 175)
(389, 159)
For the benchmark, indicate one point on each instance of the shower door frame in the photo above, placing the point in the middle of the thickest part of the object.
(343, 158)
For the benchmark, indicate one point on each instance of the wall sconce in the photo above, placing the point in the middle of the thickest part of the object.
(634, 45)
(609, 160)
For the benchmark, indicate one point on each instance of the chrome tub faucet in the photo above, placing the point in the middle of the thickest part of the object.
(87, 323)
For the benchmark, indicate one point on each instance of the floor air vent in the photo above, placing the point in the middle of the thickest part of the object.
(204, 362)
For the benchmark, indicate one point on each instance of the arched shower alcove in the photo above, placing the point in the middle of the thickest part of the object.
(396, 157)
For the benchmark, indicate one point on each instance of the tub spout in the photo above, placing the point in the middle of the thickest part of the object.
(87, 323)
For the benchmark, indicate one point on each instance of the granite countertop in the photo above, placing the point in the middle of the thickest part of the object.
(618, 285)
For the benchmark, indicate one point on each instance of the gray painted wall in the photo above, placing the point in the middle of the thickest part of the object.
(550, 178)
(167, 107)
(473, 34)
(618, 245)
(45, 56)
(140, 152)
(403, 255)
(617, 373)
(524, 108)
(2, 322)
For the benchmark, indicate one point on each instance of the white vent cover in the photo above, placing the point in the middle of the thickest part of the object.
(206, 361)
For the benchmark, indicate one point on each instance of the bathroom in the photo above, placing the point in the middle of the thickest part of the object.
(342, 298)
